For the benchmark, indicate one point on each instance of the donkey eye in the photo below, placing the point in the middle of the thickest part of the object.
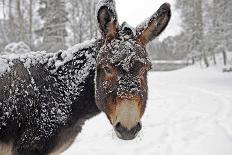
(108, 70)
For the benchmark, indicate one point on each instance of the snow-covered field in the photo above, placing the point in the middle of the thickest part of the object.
(189, 112)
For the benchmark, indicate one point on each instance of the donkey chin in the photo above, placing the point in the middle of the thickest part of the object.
(126, 118)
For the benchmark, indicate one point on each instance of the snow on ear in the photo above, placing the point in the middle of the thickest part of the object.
(153, 26)
(107, 19)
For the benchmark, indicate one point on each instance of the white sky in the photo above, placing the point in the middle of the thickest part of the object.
(135, 11)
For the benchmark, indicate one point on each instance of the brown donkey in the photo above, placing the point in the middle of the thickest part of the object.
(121, 67)
(46, 98)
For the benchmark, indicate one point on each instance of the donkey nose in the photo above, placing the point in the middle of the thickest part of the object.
(127, 134)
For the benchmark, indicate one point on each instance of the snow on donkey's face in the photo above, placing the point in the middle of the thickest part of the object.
(122, 65)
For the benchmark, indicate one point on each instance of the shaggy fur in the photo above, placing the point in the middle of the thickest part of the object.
(37, 114)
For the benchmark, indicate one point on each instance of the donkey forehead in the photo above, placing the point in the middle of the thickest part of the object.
(122, 52)
(127, 31)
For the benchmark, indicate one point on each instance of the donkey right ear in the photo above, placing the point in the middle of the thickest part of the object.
(154, 25)
(107, 19)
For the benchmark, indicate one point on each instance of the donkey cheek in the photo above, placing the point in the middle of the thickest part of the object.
(141, 106)
(111, 112)
(142, 109)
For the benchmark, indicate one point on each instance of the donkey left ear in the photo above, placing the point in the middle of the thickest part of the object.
(152, 27)
(107, 19)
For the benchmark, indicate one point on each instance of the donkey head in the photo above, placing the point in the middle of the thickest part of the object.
(122, 66)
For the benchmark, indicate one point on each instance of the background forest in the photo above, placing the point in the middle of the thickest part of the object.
(53, 25)
(48, 25)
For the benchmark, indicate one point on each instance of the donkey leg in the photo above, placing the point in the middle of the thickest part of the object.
(30, 143)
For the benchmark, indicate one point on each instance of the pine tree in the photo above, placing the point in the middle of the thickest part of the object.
(53, 32)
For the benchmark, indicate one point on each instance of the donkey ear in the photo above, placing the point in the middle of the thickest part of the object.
(107, 19)
(151, 28)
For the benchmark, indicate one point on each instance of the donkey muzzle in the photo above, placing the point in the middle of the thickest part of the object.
(127, 134)
(126, 121)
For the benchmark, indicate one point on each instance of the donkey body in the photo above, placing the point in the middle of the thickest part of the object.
(46, 98)
(44, 104)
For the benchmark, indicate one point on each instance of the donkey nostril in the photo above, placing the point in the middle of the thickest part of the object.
(136, 129)
(118, 127)
(139, 126)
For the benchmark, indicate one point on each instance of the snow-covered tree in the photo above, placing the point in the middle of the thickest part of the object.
(18, 23)
(53, 31)
(82, 23)
(192, 17)
(219, 27)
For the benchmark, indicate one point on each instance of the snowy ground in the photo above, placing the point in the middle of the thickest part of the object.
(189, 112)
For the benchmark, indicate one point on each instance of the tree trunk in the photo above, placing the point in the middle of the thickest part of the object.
(73, 23)
(3, 23)
(30, 22)
(20, 19)
(10, 10)
(3, 10)
(205, 59)
(80, 32)
(200, 31)
(214, 59)
(193, 60)
(224, 57)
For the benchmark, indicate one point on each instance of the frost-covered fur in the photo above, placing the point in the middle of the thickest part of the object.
(45, 98)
